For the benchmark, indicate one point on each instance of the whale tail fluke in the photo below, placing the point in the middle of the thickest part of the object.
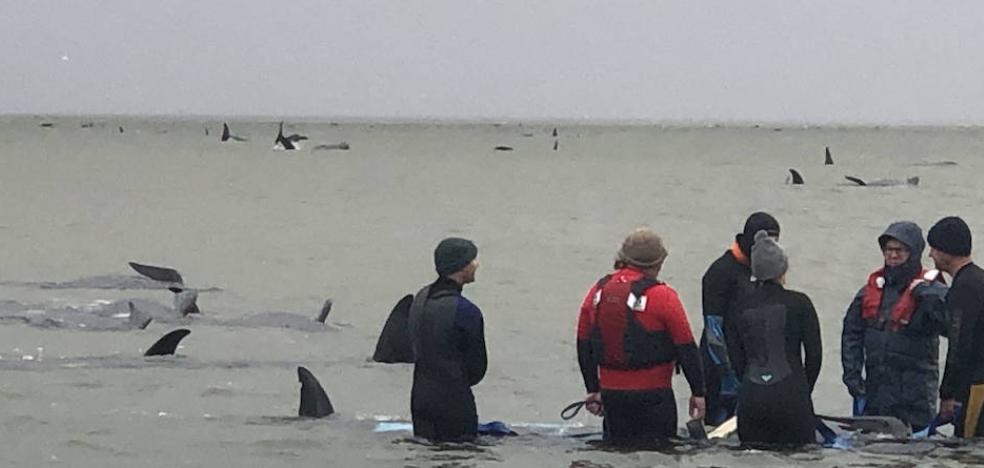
(163, 274)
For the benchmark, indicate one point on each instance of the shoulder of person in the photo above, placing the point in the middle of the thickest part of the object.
(799, 298)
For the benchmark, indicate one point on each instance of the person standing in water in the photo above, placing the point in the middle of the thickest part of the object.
(723, 285)
(767, 335)
(891, 332)
(447, 334)
(963, 377)
(632, 331)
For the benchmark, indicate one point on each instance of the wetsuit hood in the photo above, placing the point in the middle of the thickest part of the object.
(758, 221)
(910, 234)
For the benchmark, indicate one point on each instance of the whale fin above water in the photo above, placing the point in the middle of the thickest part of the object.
(168, 343)
(797, 178)
(325, 310)
(138, 318)
(856, 180)
(314, 400)
(394, 341)
(167, 275)
(282, 142)
(503, 148)
(226, 134)
(828, 160)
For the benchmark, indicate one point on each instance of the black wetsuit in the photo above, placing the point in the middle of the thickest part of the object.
(965, 359)
(723, 285)
(448, 339)
(766, 338)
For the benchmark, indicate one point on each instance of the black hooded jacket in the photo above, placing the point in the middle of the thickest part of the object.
(900, 367)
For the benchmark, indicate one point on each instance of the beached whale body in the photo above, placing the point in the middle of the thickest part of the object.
(283, 320)
(100, 316)
(151, 277)
(883, 182)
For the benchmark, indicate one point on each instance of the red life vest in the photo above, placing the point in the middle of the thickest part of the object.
(905, 306)
(617, 335)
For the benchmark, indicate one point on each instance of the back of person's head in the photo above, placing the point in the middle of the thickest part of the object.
(642, 248)
(758, 221)
(769, 261)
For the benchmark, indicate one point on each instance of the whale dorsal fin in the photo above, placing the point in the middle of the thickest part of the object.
(314, 400)
(797, 178)
(828, 160)
(168, 343)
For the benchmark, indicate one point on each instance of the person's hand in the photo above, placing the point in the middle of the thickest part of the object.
(592, 402)
(697, 407)
(947, 408)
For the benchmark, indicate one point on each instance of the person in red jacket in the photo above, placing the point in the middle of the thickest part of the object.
(631, 333)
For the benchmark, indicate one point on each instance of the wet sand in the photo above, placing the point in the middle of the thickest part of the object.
(282, 231)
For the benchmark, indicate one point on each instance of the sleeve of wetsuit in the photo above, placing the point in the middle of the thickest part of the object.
(675, 320)
(468, 319)
(735, 349)
(716, 288)
(586, 359)
(963, 305)
(930, 314)
(812, 345)
(852, 347)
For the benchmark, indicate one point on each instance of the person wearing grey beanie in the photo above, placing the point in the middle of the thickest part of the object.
(442, 404)
(963, 379)
(724, 283)
(765, 334)
(890, 338)
(768, 259)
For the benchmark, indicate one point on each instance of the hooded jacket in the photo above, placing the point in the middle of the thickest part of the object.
(900, 364)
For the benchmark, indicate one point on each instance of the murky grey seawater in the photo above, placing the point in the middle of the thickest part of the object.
(280, 232)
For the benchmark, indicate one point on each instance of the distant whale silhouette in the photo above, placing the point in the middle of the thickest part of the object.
(827, 160)
(168, 343)
(503, 148)
(290, 142)
(152, 278)
(796, 178)
(47, 125)
(934, 163)
(340, 146)
(226, 134)
(393, 344)
(883, 182)
(314, 400)
(555, 132)
(556, 145)
(121, 129)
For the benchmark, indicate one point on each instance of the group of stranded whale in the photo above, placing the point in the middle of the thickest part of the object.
(795, 178)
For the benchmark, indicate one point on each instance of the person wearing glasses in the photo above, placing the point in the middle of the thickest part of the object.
(890, 340)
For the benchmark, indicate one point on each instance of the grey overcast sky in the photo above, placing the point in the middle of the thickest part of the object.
(850, 61)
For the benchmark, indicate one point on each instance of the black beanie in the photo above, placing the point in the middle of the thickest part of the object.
(950, 235)
(453, 254)
(758, 221)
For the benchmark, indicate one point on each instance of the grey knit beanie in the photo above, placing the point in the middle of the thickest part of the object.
(768, 259)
